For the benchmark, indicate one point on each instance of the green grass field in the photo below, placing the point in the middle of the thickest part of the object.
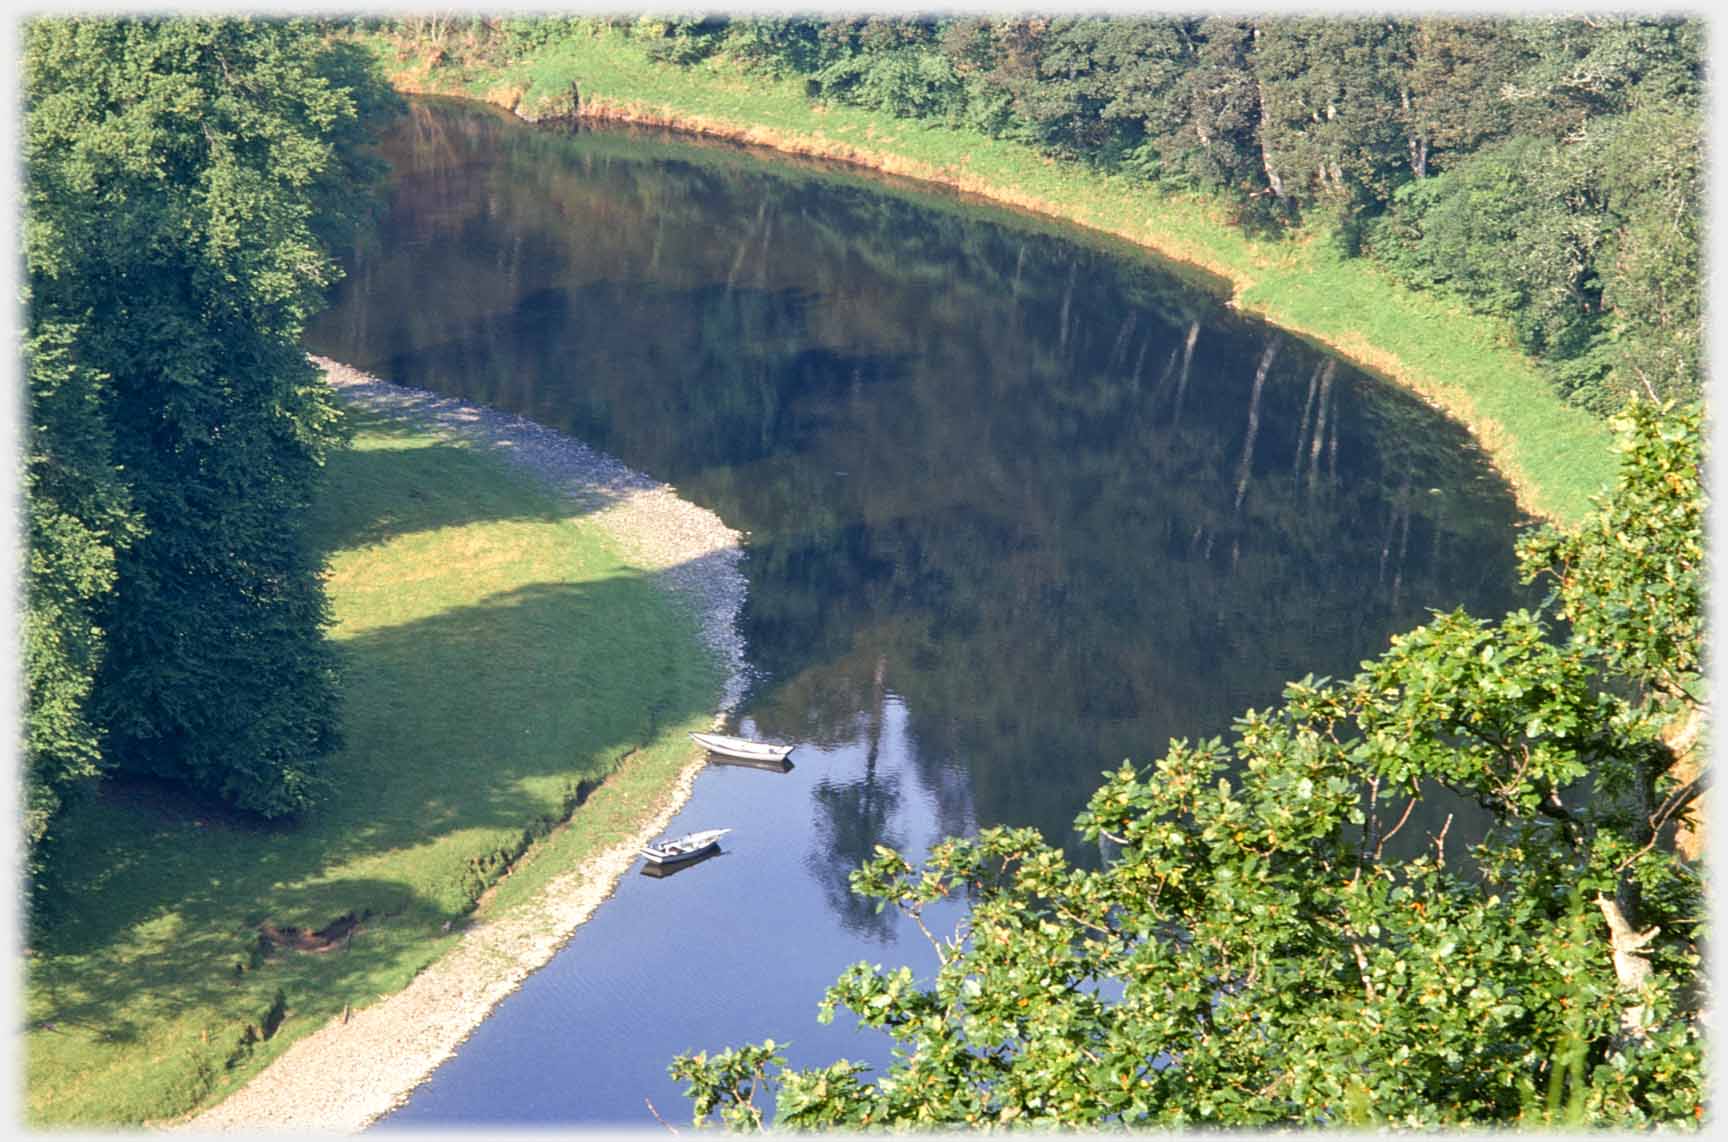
(498, 655)
(1555, 456)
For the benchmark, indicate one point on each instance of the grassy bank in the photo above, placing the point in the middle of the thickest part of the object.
(1554, 455)
(501, 665)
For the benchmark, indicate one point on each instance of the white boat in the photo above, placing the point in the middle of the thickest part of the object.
(683, 848)
(742, 748)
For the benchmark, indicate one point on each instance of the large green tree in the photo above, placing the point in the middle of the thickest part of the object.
(175, 174)
(1271, 944)
(1452, 94)
(1330, 93)
(77, 516)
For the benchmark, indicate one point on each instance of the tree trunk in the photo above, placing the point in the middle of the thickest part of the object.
(1631, 965)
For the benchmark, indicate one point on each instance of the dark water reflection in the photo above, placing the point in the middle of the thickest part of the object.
(1020, 504)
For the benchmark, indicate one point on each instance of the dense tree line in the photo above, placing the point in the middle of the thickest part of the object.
(1548, 171)
(176, 176)
(1271, 944)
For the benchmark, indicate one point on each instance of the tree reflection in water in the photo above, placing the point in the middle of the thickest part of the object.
(1070, 504)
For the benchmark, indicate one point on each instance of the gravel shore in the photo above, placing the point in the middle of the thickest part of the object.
(348, 1073)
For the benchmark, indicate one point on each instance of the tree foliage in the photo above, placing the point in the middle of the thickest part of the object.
(1267, 946)
(78, 514)
(1630, 580)
(1391, 131)
(176, 174)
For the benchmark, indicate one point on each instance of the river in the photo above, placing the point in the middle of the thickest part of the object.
(1020, 502)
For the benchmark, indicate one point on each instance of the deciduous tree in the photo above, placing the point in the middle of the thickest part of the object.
(176, 171)
(1273, 944)
(78, 516)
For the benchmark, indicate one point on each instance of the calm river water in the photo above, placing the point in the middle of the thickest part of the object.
(1020, 503)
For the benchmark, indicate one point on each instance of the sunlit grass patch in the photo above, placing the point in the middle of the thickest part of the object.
(500, 660)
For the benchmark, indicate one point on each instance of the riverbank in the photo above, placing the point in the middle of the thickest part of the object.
(357, 1068)
(522, 623)
(1553, 455)
(687, 550)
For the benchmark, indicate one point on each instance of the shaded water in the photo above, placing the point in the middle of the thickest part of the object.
(1020, 503)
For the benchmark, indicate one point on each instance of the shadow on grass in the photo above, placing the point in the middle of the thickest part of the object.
(229, 971)
(469, 734)
(404, 481)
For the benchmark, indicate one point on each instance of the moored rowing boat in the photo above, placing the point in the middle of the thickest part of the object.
(741, 747)
(683, 848)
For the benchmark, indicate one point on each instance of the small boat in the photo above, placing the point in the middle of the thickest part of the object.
(673, 868)
(684, 848)
(742, 748)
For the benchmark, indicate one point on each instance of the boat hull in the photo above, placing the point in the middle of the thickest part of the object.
(740, 748)
(672, 868)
